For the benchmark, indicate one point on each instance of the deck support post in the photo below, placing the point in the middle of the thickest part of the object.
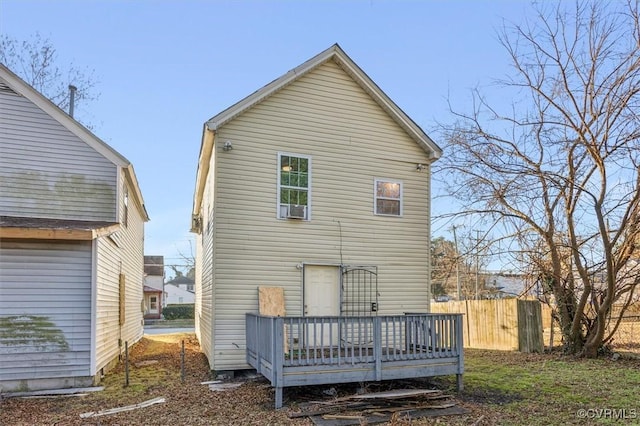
(278, 397)
(278, 358)
(377, 346)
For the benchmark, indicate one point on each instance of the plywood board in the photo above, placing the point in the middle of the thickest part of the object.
(271, 300)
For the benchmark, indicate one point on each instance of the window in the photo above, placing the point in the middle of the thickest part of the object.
(388, 197)
(153, 303)
(294, 186)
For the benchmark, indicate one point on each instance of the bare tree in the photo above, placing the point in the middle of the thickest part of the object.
(189, 262)
(559, 173)
(444, 258)
(35, 61)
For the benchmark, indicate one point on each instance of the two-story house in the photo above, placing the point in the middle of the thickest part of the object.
(317, 183)
(71, 246)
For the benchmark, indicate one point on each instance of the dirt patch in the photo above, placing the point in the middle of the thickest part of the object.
(188, 403)
(155, 372)
(490, 396)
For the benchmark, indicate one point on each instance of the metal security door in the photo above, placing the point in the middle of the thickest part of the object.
(359, 301)
(359, 291)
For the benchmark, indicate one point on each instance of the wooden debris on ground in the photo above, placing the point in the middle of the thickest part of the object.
(222, 387)
(121, 409)
(379, 407)
(71, 395)
(52, 392)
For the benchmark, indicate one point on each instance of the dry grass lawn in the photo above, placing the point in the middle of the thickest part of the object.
(501, 388)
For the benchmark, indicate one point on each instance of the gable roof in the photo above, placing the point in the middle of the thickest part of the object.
(22, 88)
(336, 54)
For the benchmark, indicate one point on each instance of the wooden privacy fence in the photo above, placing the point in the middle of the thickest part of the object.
(627, 334)
(503, 324)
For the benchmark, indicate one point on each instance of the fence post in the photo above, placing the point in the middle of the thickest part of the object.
(182, 363)
(126, 363)
(460, 343)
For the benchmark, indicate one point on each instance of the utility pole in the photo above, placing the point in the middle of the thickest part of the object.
(455, 241)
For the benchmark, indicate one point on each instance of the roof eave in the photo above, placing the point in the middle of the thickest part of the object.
(68, 234)
(204, 162)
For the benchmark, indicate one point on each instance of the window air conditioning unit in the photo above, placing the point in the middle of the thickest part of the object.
(296, 211)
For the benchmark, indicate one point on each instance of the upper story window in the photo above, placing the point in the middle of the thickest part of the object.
(294, 186)
(388, 197)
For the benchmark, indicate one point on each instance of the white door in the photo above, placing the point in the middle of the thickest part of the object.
(153, 305)
(322, 298)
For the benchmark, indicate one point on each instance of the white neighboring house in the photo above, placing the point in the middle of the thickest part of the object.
(153, 286)
(317, 183)
(71, 246)
(174, 295)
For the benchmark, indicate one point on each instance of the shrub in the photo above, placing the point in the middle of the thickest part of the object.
(186, 311)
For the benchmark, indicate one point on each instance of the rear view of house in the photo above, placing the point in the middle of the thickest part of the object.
(71, 246)
(317, 184)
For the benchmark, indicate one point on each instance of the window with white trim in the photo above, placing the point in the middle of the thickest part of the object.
(387, 197)
(294, 186)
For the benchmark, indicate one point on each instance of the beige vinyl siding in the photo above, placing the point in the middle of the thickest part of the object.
(46, 288)
(351, 141)
(205, 318)
(121, 253)
(75, 181)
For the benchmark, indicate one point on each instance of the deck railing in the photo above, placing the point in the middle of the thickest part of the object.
(276, 344)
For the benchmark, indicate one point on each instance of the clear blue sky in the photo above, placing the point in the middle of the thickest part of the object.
(165, 67)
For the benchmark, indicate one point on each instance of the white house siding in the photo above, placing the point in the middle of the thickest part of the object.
(154, 281)
(121, 253)
(176, 295)
(351, 141)
(45, 314)
(75, 181)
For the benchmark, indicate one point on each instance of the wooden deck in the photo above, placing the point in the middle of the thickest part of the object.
(296, 351)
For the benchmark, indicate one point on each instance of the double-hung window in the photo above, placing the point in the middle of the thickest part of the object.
(387, 197)
(294, 186)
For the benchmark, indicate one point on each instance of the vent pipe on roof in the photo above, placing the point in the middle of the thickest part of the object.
(72, 98)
